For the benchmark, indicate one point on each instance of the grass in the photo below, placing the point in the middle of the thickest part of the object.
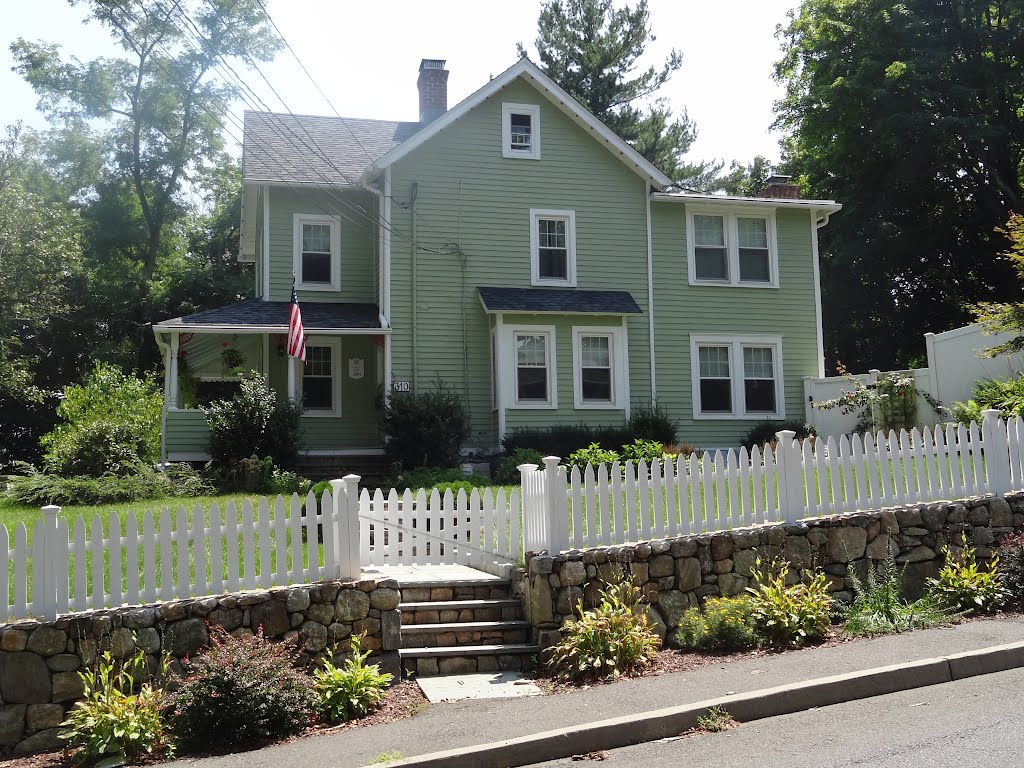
(387, 757)
(715, 720)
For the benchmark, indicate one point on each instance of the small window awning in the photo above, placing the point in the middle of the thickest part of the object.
(563, 301)
(257, 316)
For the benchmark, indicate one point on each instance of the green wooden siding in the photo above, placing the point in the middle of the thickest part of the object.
(186, 433)
(357, 211)
(681, 309)
(472, 225)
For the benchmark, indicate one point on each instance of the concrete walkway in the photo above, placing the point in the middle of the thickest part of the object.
(430, 575)
(467, 723)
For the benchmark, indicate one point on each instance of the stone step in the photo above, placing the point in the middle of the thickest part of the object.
(484, 589)
(468, 659)
(451, 611)
(465, 634)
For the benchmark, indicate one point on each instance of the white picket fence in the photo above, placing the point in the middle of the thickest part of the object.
(793, 480)
(165, 555)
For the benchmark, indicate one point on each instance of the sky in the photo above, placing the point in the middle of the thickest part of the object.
(365, 56)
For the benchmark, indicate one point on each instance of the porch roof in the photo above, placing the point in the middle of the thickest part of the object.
(258, 316)
(564, 301)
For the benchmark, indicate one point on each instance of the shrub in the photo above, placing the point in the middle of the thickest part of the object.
(186, 481)
(240, 689)
(565, 439)
(652, 422)
(593, 454)
(963, 585)
(764, 432)
(110, 424)
(351, 690)
(613, 639)
(436, 477)
(1011, 565)
(37, 489)
(643, 450)
(879, 608)
(425, 429)
(115, 717)
(725, 624)
(255, 422)
(508, 473)
(785, 614)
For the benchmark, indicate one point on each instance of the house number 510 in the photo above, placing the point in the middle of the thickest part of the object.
(403, 386)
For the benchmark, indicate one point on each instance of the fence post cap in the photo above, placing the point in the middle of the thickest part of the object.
(527, 467)
(785, 435)
(990, 413)
(51, 510)
(352, 478)
(551, 461)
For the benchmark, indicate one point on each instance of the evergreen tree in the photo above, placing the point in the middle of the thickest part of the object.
(591, 49)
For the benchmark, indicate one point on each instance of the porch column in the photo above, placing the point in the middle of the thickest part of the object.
(172, 373)
(291, 378)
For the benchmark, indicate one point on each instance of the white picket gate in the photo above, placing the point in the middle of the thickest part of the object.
(480, 529)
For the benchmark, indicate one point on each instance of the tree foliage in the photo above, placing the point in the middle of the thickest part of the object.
(1006, 317)
(909, 114)
(591, 49)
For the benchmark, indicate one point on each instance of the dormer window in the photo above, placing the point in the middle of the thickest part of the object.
(520, 131)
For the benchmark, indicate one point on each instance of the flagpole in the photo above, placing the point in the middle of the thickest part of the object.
(290, 359)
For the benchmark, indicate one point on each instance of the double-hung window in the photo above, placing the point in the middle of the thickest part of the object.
(530, 360)
(321, 378)
(737, 377)
(599, 355)
(317, 252)
(729, 247)
(553, 247)
(520, 131)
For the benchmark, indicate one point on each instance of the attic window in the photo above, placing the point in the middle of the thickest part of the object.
(520, 131)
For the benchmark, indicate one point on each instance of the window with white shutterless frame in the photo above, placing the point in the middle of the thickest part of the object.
(321, 378)
(737, 376)
(599, 367)
(316, 252)
(552, 247)
(520, 131)
(528, 369)
(732, 246)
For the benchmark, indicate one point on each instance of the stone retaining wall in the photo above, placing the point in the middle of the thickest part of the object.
(40, 662)
(677, 573)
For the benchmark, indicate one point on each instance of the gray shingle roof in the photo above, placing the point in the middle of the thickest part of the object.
(304, 149)
(562, 300)
(274, 314)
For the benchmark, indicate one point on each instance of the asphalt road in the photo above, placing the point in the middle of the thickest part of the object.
(973, 722)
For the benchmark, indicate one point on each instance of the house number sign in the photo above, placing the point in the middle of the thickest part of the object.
(403, 386)
(356, 367)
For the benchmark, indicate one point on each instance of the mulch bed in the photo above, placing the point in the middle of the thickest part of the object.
(403, 700)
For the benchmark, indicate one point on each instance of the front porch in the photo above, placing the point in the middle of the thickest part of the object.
(340, 385)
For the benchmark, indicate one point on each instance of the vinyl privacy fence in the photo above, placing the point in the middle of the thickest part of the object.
(164, 555)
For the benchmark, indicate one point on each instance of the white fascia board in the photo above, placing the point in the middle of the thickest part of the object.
(296, 183)
(556, 95)
(272, 330)
(827, 206)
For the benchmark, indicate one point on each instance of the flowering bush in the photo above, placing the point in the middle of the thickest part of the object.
(890, 403)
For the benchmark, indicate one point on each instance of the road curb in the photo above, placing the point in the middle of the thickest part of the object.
(754, 705)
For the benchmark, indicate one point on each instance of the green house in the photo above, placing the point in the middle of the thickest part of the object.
(516, 249)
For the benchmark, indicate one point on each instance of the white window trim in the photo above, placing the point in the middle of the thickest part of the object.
(335, 345)
(736, 342)
(533, 110)
(729, 215)
(617, 350)
(298, 220)
(570, 242)
(509, 396)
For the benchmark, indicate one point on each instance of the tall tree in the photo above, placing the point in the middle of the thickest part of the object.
(162, 99)
(591, 49)
(747, 180)
(907, 112)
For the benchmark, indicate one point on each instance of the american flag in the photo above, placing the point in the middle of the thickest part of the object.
(296, 339)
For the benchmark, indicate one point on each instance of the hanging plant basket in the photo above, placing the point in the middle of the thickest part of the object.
(231, 358)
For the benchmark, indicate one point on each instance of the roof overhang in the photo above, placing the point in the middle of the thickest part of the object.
(556, 301)
(556, 95)
(171, 328)
(826, 207)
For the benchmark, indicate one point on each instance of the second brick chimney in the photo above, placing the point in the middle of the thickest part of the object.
(433, 87)
(780, 187)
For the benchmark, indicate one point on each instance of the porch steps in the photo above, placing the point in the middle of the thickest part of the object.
(463, 627)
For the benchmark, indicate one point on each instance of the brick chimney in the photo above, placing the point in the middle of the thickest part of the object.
(433, 87)
(780, 187)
